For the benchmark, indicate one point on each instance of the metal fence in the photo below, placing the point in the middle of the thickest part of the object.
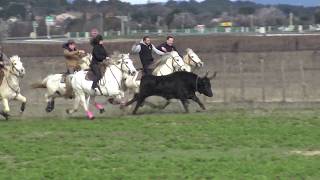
(204, 31)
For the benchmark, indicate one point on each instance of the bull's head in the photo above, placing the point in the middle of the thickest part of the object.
(204, 84)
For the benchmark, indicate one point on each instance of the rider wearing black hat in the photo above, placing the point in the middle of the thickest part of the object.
(99, 54)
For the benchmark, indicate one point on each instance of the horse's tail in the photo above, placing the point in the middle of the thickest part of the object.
(39, 85)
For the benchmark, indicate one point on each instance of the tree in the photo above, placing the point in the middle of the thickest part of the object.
(317, 17)
(270, 16)
(183, 20)
(3, 30)
(246, 10)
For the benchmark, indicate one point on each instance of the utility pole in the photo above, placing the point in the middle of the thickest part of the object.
(291, 19)
(123, 20)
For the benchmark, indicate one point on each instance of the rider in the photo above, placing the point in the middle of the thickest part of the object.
(145, 48)
(98, 55)
(168, 45)
(4, 60)
(72, 55)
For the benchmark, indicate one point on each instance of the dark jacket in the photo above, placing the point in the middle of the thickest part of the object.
(145, 54)
(168, 48)
(98, 54)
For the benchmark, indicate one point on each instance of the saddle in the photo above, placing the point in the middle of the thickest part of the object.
(90, 75)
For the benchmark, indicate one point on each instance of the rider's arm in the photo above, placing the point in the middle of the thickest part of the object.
(5, 59)
(71, 53)
(136, 48)
(154, 49)
(100, 54)
(175, 49)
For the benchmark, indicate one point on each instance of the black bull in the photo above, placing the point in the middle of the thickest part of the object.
(178, 85)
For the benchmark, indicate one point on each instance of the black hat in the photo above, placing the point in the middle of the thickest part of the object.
(71, 41)
(96, 40)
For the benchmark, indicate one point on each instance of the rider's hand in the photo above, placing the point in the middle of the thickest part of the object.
(164, 49)
(82, 51)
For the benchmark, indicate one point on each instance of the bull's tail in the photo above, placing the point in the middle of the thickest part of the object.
(39, 85)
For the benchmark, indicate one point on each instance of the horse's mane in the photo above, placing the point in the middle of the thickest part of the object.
(15, 58)
(162, 60)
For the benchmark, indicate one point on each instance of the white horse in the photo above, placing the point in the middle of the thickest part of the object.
(9, 87)
(55, 88)
(192, 61)
(110, 84)
(169, 63)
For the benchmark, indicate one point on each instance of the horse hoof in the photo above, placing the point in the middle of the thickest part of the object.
(68, 111)
(101, 111)
(23, 107)
(5, 115)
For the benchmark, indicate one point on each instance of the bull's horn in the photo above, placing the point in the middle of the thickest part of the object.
(213, 75)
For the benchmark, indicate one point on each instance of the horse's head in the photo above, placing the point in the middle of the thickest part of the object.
(126, 64)
(177, 61)
(85, 61)
(193, 59)
(16, 66)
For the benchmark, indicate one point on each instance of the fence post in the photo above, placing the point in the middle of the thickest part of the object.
(241, 80)
(283, 79)
(303, 82)
(263, 80)
(224, 79)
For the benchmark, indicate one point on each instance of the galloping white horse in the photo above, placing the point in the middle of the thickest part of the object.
(55, 88)
(169, 63)
(191, 60)
(110, 84)
(9, 87)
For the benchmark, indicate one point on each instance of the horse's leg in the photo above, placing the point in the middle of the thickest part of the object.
(197, 100)
(6, 110)
(23, 101)
(98, 106)
(50, 101)
(76, 104)
(84, 104)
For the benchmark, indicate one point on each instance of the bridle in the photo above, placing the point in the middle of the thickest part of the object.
(190, 59)
(13, 69)
(123, 63)
(12, 72)
(173, 69)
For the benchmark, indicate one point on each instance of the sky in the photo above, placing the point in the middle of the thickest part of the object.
(292, 2)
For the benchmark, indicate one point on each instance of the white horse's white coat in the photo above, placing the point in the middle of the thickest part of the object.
(9, 88)
(55, 88)
(110, 84)
(168, 64)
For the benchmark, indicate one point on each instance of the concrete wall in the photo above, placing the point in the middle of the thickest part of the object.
(250, 69)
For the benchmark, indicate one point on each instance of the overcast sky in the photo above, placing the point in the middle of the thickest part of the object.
(294, 2)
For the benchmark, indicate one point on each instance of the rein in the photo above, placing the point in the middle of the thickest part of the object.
(121, 69)
(172, 68)
(17, 91)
